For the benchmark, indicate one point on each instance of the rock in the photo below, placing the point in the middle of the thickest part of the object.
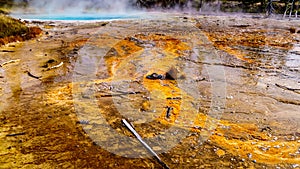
(154, 76)
(83, 122)
(198, 25)
(172, 74)
(104, 24)
(51, 61)
(292, 30)
(169, 112)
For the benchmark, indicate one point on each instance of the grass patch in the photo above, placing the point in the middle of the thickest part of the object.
(14, 30)
(6, 3)
(11, 27)
(4, 10)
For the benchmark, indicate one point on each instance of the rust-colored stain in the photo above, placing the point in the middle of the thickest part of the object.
(239, 139)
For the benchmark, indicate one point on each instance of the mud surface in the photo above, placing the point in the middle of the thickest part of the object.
(226, 96)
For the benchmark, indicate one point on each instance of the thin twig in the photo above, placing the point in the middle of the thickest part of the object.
(9, 62)
(56, 66)
(33, 76)
(15, 134)
(131, 129)
(7, 51)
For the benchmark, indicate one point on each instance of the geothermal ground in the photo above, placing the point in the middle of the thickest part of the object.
(226, 94)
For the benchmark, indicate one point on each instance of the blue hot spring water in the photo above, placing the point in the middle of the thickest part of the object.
(75, 17)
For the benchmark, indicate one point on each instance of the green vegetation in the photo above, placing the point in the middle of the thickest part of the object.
(11, 27)
(5, 6)
(6, 3)
(12, 30)
(4, 10)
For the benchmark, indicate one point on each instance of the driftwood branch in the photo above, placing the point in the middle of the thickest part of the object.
(9, 62)
(7, 51)
(33, 76)
(132, 130)
(15, 134)
(55, 67)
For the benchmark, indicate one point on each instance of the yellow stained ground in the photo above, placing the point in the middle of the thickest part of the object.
(54, 137)
(241, 139)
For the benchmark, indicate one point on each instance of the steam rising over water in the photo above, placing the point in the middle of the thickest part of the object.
(74, 17)
(76, 10)
(78, 6)
(91, 9)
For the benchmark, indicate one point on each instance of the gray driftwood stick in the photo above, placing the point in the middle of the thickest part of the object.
(132, 130)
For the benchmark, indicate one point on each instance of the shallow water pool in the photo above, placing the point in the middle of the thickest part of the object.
(75, 17)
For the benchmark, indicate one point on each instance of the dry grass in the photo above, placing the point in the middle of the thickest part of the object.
(15, 30)
(11, 27)
(4, 10)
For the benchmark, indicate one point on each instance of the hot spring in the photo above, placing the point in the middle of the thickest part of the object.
(77, 17)
(75, 10)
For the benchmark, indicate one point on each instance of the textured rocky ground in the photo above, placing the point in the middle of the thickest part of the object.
(228, 96)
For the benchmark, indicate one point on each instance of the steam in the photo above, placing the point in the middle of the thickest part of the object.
(109, 6)
(77, 6)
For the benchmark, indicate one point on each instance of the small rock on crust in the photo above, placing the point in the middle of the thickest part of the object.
(154, 76)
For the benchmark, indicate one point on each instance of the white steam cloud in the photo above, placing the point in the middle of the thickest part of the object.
(78, 6)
